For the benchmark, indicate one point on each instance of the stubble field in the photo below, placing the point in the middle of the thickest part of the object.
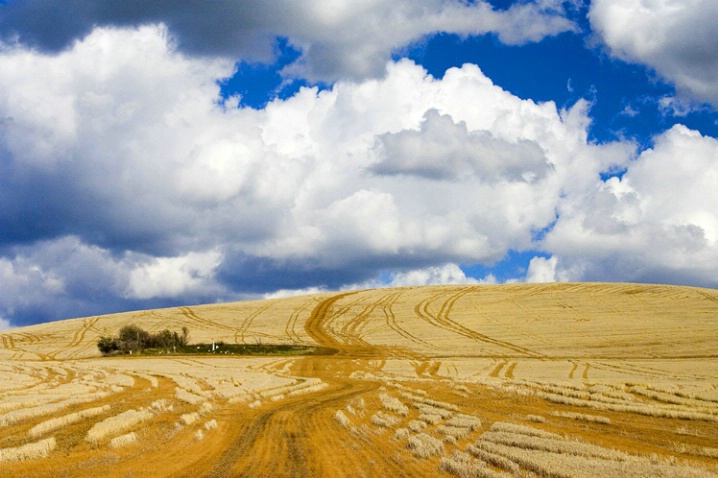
(549, 380)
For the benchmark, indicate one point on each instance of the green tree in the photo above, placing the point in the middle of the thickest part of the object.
(133, 338)
(185, 337)
(108, 345)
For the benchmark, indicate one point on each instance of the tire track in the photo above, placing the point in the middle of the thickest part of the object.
(711, 298)
(632, 369)
(290, 329)
(394, 325)
(510, 370)
(497, 370)
(565, 306)
(573, 370)
(44, 357)
(441, 320)
(80, 334)
(77, 338)
(637, 293)
(31, 338)
(434, 369)
(292, 439)
(519, 331)
(9, 344)
(247, 323)
(317, 322)
(342, 311)
(420, 368)
(594, 295)
(349, 332)
(208, 324)
(353, 329)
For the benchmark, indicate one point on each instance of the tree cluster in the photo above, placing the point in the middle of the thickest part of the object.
(132, 339)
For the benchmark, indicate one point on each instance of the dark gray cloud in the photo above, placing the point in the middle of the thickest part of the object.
(38, 205)
(262, 275)
(338, 39)
(243, 29)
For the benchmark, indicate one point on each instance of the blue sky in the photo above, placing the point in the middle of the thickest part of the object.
(176, 152)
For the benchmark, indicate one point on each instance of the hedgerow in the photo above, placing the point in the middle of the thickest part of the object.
(132, 338)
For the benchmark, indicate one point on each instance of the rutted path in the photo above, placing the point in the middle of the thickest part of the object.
(291, 439)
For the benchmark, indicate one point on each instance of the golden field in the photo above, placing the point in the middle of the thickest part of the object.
(547, 380)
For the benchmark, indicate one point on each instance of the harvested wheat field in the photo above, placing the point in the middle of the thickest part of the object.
(549, 380)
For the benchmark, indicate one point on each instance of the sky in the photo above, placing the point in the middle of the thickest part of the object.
(166, 153)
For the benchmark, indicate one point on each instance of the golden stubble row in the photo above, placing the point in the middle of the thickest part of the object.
(507, 448)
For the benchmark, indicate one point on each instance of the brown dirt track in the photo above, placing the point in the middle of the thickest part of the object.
(631, 354)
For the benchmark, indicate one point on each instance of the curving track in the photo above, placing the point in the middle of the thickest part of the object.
(442, 320)
(292, 440)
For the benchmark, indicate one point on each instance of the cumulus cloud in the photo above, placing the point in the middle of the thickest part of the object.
(94, 152)
(444, 274)
(442, 149)
(139, 173)
(281, 293)
(174, 276)
(542, 269)
(66, 277)
(657, 223)
(676, 39)
(436, 275)
(338, 39)
(127, 182)
(52, 279)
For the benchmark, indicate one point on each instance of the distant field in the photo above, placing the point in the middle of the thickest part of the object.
(548, 380)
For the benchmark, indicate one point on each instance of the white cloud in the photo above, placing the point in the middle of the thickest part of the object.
(5, 324)
(445, 274)
(282, 293)
(174, 276)
(59, 279)
(153, 173)
(676, 38)
(437, 275)
(24, 279)
(66, 278)
(658, 223)
(678, 107)
(543, 269)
